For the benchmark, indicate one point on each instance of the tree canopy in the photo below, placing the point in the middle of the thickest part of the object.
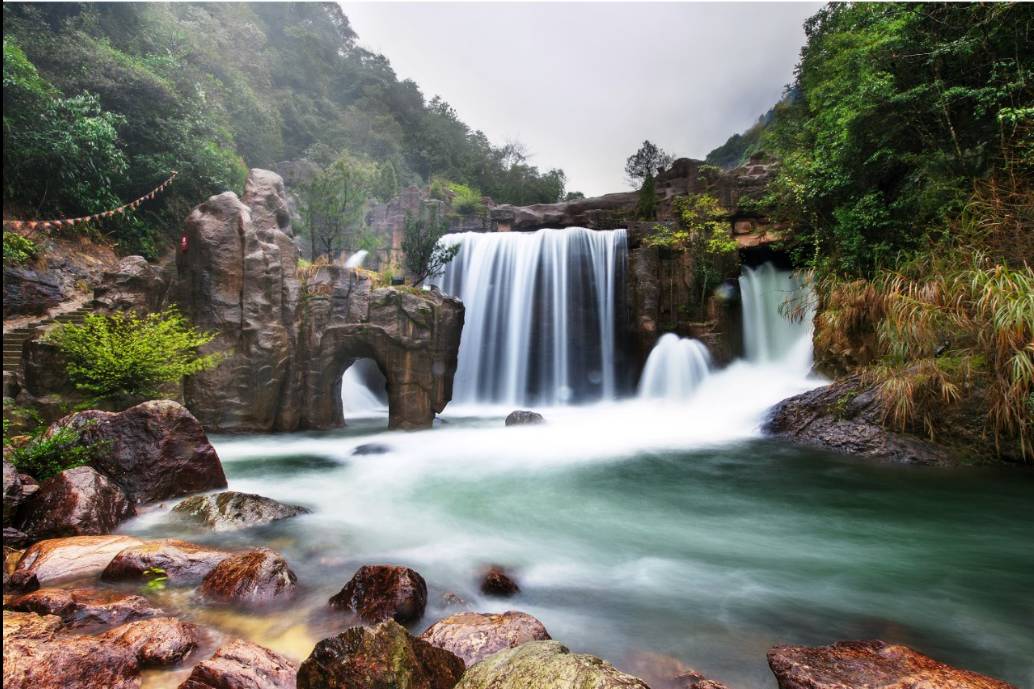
(645, 163)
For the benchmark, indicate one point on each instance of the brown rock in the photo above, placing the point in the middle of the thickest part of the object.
(12, 491)
(474, 636)
(157, 641)
(30, 626)
(496, 582)
(874, 664)
(386, 656)
(72, 662)
(242, 665)
(76, 502)
(254, 577)
(666, 672)
(183, 563)
(84, 607)
(379, 592)
(231, 511)
(65, 559)
(154, 451)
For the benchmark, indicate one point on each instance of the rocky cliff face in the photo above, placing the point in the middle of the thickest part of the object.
(289, 338)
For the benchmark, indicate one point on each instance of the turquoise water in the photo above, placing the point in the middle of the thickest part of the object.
(711, 555)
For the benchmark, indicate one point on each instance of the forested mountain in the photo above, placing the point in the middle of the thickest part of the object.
(101, 101)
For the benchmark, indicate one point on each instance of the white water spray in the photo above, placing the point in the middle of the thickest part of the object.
(362, 390)
(675, 368)
(357, 259)
(541, 315)
(769, 336)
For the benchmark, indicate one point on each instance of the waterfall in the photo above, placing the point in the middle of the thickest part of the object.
(362, 390)
(357, 259)
(541, 323)
(769, 336)
(675, 368)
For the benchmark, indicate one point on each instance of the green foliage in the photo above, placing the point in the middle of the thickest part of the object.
(332, 205)
(124, 357)
(702, 230)
(646, 206)
(465, 200)
(156, 579)
(50, 453)
(426, 256)
(901, 108)
(18, 249)
(645, 163)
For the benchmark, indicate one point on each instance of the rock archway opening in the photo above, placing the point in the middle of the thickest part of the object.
(364, 390)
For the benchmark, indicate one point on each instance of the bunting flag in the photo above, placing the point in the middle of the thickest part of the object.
(33, 225)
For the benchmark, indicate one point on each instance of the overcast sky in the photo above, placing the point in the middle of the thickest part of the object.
(582, 84)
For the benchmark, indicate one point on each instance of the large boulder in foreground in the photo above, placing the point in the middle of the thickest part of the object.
(874, 664)
(231, 511)
(155, 451)
(76, 502)
(58, 560)
(34, 659)
(848, 417)
(546, 665)
(254, 577)
(386, 656)
(474, 636)
(184, 563)
(86, 607)
(242, 665)
(157, 641)
(379, 592)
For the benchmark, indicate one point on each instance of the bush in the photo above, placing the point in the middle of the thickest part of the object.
(48, 454)
(18, 249)
(426, 256)
(124, 357)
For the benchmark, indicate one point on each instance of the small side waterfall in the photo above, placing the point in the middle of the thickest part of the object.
(362, 390)
(357, 259)
(541, 325)
(768, 335)
(675, 368)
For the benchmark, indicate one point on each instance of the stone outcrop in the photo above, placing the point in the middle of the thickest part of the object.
(58, 560)
(156, 641)
(76, 502)
(35, 659)
(134, 285)
(254, 578)
(28, 291)
(474, 636)
(598, 213)
(545, 665)
(242, 665)
(184, 563)
(869, 664)
(232, 511)
(523, 417)
(496, 581)
(380, 592)
(666, 672)
(154, 451)
(847, 417)
(384, 656)
(86, 607)
(289, 338)
(14, 495)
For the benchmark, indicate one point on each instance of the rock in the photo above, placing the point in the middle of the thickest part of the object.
(230, 510)
(254, 577)
(665, 672)
(289, 344)
(523, 417)
(135, 285)
(848, 417)
(30, 626)
(30, 292)
(76, 502)
(12, 492)
(371, 449)
(474, 636)
(869, 664)
(15, 538)
(34, 659)
(65, 559)
(158, 641)
(379, 592)
(242, 665)
(496, 582)
(155, 451)
(449, 599)
(184, 563)
(386, 657)
(86, 607)
(546, 665)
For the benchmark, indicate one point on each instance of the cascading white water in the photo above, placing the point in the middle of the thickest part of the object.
(357, 259)
(362, 390)
(541, 315)
(769, 336)
(675, 368)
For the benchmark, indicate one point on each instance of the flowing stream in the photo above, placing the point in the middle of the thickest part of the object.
(661, 522)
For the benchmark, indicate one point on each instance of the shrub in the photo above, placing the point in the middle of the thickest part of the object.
(125, 357)
(18, 249)
(425, 255)
(48, 454)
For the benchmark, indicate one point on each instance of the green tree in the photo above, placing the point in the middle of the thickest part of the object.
(645, 162)
(126, 358)
(332, 205)
(426, 255)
